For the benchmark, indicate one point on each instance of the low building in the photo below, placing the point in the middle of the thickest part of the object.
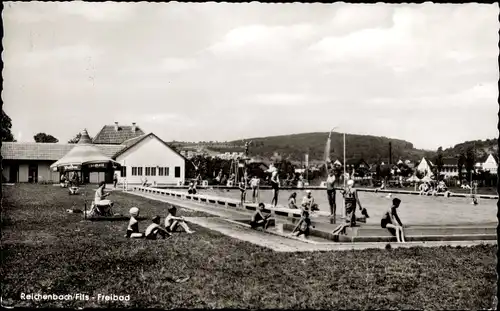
(142, 156)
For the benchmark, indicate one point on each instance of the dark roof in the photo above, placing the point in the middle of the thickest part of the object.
(84, 138)
(450, 161)
(47, 151)
(132, 142)
(108, 134)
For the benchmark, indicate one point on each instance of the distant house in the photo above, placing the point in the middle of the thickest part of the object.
(141, 156)
(491, 164)
(425, 166)
(450, 167)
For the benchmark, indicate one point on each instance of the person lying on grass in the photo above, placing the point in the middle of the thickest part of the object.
(303, 225)
(172, 221)
(391, 221)
(154, 230)
(259, 219)
(133, 225)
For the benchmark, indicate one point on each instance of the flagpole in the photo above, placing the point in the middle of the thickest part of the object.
(343, 207)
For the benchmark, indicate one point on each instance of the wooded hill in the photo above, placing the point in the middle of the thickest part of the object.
(372, 149)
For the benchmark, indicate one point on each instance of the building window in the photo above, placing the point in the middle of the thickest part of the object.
(166, 171)
(123, 171)
(153, 171)
(134, 171)
(160, 171)
(148, 171)
(177, 172)
(139, 171)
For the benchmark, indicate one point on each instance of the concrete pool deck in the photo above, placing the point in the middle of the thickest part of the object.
(227, 220)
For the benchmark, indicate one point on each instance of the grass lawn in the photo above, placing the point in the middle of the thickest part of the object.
(47, 251)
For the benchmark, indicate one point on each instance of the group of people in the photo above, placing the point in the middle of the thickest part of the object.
(428, 188)
(155, 230)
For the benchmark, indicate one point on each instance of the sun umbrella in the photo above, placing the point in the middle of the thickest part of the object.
(83, 154)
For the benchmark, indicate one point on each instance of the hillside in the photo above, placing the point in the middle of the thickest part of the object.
(293, 147)
(482, 148)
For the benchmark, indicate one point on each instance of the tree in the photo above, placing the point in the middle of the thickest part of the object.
(460, 165)
(6, 128)
(438, 161)
(469, 161)
(45, 138)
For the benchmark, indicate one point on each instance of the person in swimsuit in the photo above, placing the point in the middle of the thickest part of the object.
(172, 221)
(242, 185)
(254, 183)
(259, 219)
(330, 193)
(391, 221)
(308, 202)
(154, 230)
(303, 226)
(133, 225)
(292, 201)
(351, 200)
(275, 184)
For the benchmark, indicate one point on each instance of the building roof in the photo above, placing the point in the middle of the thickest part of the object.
(450, 161)
(109, 135)
(132, 142)
(47, 151)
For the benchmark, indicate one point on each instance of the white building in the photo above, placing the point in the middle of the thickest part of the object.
(490, 164)
(149, 157)
(141, 155)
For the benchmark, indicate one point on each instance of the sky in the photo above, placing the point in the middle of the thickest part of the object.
(425, 73)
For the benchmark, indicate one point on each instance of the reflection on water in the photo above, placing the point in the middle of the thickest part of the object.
(414, 209)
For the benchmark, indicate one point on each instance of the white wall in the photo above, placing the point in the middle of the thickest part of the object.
(23, 173)
(151, 152)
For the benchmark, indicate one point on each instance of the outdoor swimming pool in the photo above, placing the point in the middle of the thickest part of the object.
(414, 209)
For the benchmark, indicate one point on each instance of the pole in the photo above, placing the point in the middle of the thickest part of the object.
(343, 207)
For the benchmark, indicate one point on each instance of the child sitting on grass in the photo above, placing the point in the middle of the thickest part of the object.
(172, 221)
(154, 230)
(133, 225)
(303, 226)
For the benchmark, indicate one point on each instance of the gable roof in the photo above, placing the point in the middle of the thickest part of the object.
(108, 134)
(132, 142)
(47, 151)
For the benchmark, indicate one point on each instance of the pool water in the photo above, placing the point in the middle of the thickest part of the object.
(413, 210)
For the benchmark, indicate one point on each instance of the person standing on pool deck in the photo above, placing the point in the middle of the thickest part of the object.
(330, 193)
(243, 189)
(275, 184)
(391, 220)
(351, 199)
(254, 183)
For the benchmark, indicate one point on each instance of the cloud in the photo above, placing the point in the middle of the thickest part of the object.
(165, 118)
(261, 40)
(284, 99)
(177, 64)
(418, 36)
(97, 12)
(79, 52)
